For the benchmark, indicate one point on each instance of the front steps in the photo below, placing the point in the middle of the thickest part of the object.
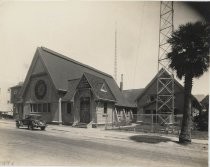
(82, 125)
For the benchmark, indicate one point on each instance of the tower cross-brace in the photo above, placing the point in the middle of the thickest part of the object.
(165, 83)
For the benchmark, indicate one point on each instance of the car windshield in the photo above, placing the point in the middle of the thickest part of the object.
(38, 117)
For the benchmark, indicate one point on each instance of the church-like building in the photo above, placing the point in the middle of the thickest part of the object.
(65, 91)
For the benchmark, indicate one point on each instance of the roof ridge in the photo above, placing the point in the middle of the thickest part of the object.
(74, 79)
(94, 75)
(72, 60)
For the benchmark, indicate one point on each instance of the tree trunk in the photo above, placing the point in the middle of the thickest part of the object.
(185, 135)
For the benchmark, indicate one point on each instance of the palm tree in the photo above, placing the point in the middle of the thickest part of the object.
(189, 58)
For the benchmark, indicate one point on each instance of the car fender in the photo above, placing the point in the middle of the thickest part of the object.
(19, 122)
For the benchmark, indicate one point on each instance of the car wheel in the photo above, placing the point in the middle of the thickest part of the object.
(30, 127)
(18, 124)
(42, 128)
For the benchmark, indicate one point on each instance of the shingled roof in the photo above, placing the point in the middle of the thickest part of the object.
(61, 69)
(71, 89)
(165, 73)
(131, 95)
(96, 84)
(205, 100)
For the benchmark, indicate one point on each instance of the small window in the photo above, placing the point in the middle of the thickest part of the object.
(103, 88)
(147, 112)
(126, 111)
(31, 107)
(15, 92)
(105, 108)
(48, 107)
(34, 108)
(69, 108)
(45, 107)
(152, 98)
(176, 111)
(40, 109)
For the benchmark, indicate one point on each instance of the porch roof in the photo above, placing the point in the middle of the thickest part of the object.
(96, 83)
(71, 90)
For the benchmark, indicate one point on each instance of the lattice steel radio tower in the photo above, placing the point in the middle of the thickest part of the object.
(165, 79)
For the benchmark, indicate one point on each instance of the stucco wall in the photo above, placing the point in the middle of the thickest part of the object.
(39, 67)
(14, 94)
(101, 117)
(67, 118)
(50, 97)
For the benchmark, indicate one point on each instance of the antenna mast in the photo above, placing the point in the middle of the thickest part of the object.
(165, 82)
(115, 54)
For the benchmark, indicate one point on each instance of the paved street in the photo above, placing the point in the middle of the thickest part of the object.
(60, 147)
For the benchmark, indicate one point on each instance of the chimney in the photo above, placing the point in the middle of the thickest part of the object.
(121, 83)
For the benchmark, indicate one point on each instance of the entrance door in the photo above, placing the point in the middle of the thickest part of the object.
(85, 110)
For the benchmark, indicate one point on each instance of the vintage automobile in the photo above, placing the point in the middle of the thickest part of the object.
(31, 121)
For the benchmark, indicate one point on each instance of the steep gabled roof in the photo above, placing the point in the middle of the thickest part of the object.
(71, 89)
(154, 79)
(17, 86)
(96, 84)
(61, 69)
(195, 101)
(205, 100)
(29, 73)
(199, 97)
(132, 94)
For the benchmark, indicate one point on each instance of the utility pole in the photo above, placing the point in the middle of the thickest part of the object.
(165, 82)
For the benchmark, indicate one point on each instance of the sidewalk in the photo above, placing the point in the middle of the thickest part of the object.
(106, 134)
(111, 134)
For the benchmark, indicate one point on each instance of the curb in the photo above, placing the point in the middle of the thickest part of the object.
(7, 122)
(107, 134)
(120, 136)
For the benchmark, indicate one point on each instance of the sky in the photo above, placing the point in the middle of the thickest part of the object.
(85, 31)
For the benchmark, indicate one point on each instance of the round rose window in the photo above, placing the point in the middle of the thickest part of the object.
(40, 89)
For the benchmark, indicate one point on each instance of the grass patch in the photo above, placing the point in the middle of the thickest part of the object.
(149, 139)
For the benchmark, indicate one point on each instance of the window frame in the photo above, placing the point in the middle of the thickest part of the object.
(68, 108)
(48, 107)
(39, 107)
(105, 107)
